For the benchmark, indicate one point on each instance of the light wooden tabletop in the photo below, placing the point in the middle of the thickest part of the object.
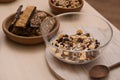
(18, 62)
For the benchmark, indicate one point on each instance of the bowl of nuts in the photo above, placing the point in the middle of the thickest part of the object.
(63, 6)
(79, 40)
(24, 26)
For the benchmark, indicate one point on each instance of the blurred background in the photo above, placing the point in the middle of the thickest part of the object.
(110, 9)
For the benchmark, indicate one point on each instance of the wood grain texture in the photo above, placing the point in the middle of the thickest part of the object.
(19, 62)
(79, 72)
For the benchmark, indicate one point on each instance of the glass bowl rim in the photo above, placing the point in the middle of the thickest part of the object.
(78, 13)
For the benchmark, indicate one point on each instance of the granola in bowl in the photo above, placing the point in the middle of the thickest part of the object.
(78, 48)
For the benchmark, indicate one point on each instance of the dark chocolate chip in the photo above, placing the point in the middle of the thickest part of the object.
(57, 40)
(60, 40)
(56, 45)
(96, 46)
(52, 1)
(71, 38)
(57, 4)
(87, 34)
(61, 43)
(71, 45)
(83, 47)
(65, 35)
(80, 40)
(96, 41)
(88, 49)
(67, 6)
(66, 39)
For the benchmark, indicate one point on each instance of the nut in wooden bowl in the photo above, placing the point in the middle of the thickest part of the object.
(26, 30)
(63, 6)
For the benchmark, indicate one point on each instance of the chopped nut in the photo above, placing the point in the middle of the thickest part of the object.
(83, 56)
(83, 37)
(66, 53)
(92, 46)
(79, 32)
(42, 15)
(53, 49)
(73, 37)
(61, 46)
(58, 55)
(54, 42)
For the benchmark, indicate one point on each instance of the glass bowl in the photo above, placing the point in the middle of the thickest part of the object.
(97, 28)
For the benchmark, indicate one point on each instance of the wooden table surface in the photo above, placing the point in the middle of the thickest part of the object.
(18, 62)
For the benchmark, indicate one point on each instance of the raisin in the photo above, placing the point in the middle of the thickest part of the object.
(87, 34)
(71, 45)
(96, 41)
(96, 46)
(80, 40)
(56, 45)
(60, 40)
(65, 35)
(57, 4)
(66, 39)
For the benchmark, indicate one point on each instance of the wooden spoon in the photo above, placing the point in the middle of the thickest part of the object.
(102, 71)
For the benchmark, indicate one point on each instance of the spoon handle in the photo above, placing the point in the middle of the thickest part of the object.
(114, 66)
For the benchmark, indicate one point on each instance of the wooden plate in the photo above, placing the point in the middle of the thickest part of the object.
(66, 71)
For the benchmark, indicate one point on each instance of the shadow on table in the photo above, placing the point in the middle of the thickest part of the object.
(23, 48)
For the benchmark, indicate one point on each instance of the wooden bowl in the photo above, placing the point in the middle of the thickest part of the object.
(5, 1)
(58, 10)
(26, 40)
